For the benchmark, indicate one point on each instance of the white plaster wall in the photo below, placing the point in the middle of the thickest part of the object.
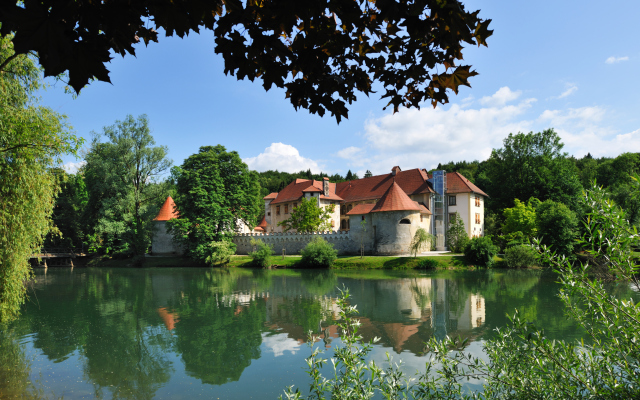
(464, 209)
(477, 229)
(335, 216)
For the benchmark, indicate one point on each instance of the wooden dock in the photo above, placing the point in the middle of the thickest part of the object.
(56, 257)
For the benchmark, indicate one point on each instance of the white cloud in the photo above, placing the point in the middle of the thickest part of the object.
(583, 131)
(279, 343)
(282, 157)
(615, 60)
(570, 90)
(423, 138)
(503, 96)
(350, 153)
(73, 167)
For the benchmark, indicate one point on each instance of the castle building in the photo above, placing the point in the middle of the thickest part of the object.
(386, 210)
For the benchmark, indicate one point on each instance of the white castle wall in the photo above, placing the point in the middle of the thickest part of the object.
(293, 242)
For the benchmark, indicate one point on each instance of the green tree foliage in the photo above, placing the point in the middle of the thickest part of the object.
(318, 253)
(309, 217)
(123, 179)
(519, 224)
(557, 226)
(457, 237)
(215, 192)
(530, 165)
(480, 251)
(68, 213)
(368, 174)
(326, 52)
(422, 240)
(469, 170)
(262, 254)
(32, 139)
(520, 256)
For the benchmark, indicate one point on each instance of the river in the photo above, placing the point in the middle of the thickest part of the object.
(242, 333)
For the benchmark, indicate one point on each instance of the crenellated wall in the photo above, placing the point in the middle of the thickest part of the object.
(293, 242)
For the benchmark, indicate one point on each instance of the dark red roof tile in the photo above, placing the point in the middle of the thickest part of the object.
(413, 181)
(360, 209)
(296, 189)
(395, 199)
(270, 196)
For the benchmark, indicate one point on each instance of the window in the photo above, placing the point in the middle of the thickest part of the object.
(333, 223)
(269, 214)
(477, 201)
(363, 217)
(343, 224)
(421, 217)
(452, 200)
(295, 205)
(478, 218)
(286, 209)
(405, 222)
(277, 210)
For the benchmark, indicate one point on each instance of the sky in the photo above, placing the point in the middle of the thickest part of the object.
(568, 65)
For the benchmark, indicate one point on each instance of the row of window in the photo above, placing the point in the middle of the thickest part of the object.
(286, 208)
(452, 201)
(452, 216)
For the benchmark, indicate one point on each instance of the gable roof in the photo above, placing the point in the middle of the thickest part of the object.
(413, 181)
(296, 189)
(395, 199)
(457, 183)
(270, 196)
(167, 211)
(262, 226)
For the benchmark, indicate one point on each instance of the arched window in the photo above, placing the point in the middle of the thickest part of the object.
(348, 224)
(405, 221)
(343, 224)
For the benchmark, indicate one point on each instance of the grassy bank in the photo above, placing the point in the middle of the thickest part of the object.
(367, 262)
(342, 263)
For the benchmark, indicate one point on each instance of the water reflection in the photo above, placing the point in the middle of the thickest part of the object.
(126, 333)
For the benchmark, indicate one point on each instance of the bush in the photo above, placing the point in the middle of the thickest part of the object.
(319, 254)
(216, 253)
(262, 256)
(480, 251)
(520, 256)
(457, 237)
(429, 263)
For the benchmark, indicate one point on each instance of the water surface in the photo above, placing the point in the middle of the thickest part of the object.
(239, 333)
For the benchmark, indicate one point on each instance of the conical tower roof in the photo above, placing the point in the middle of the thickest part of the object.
(395, 199)
(167, 211)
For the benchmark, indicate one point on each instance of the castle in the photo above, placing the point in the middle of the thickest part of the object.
(377, 215)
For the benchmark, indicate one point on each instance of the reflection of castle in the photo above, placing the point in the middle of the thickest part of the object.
(404, 313)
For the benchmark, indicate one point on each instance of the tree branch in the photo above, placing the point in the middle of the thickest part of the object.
(7, 61)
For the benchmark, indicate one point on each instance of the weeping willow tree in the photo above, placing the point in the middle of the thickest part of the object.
(32, 138)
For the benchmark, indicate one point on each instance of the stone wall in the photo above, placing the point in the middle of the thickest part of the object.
(294, 242)
(162, 242)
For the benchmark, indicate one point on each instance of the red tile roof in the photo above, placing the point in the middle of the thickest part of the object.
(167, 211)
(360, 209)
(262, 226)
(413, 181)
(457, 183)
(270, 196)
(423, 209)
(395, 199)
(296, 189)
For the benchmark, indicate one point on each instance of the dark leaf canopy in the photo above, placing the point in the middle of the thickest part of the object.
(320, 51)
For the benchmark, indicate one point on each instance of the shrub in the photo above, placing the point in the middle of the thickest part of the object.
(429, 263)
(421, 240)
(520, 256)
(262, 256)
(319, 254)
(216, 253)
(480, 251)
(457, 237)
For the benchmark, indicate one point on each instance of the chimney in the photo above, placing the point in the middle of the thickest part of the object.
(325, 186)
(395, 170)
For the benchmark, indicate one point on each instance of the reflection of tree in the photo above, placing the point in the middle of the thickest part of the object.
(319, 282)
(15, 369)
(217, 337)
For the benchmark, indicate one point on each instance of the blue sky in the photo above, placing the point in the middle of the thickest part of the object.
(568, 65)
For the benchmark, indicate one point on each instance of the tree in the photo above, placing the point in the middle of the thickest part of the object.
(520, 221)
(215, 192)
(557, 227)
(68, 211)
(320, 52)
(368, 174)
(32, 139)
(457, 237)
(309, 217)
(530, 165)
(123, 180)
(421, 239)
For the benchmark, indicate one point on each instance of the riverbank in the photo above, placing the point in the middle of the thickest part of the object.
(447, 261)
